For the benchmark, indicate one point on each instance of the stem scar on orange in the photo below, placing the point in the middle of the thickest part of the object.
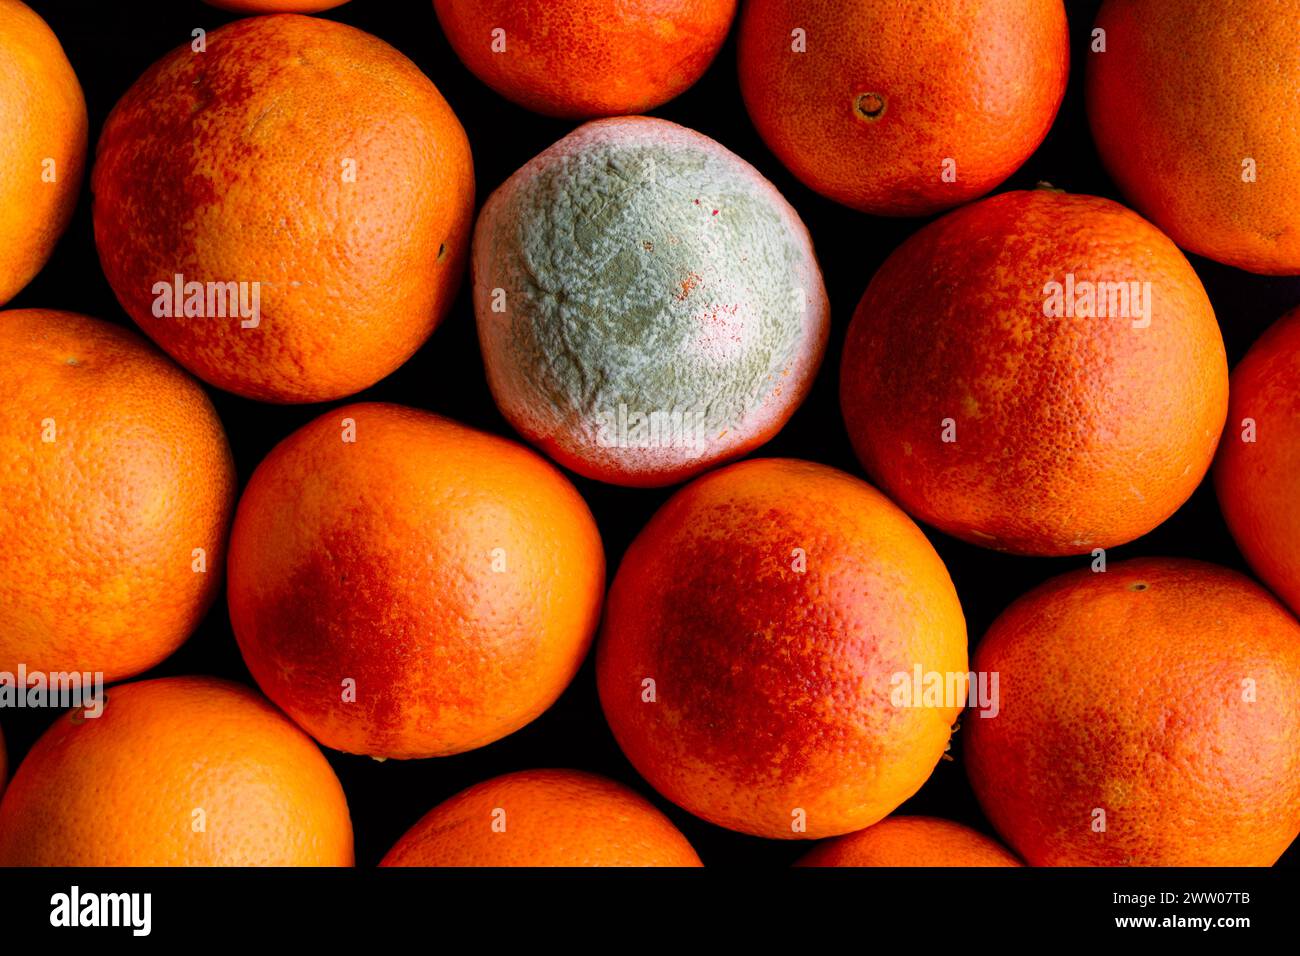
(903, 109)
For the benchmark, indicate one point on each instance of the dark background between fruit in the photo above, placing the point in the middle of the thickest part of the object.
(111, 44)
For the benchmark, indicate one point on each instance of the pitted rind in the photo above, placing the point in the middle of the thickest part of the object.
(645, 266)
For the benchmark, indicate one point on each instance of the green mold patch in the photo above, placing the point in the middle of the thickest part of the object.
(657, 276)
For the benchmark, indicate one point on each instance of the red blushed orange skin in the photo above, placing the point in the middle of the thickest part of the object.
(550, 818)
(376, 562)
(232, 166)
(1180, 99)
(1127, 692)
(586, 58)
(911, 841)
(1071, 433)
(1259, 482)
(977, 84)
(772, 685)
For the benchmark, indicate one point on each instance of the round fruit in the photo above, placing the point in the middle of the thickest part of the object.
(756, 635)
(183, 771)
(43, 149)
(116, 491)
(1192, 110)
(648, 305)
(1257, 474)
(1038, 373)
(544, 818)
(276, 6)
(1149, 716)
(903, 109)
(287, 213)
(583, 58)
(404, 586)
(911, 841)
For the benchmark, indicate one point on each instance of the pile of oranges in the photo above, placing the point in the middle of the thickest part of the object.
(286, 209)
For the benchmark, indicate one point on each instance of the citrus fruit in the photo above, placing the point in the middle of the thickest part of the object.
(1149, 716)
(544, 818)
(903, 109)
(1257, 473)
(911, 841)
(584, 58)
(648, 305)
(753, 642)
(419, 590)
(288, 213)
(1038, 372)
(181, 771)
(276, 6)
(1192, 108)
(117, 488)
(43, 149)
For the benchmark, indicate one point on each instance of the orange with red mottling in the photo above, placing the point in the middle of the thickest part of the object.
(1259, 481)
(771, 603)
(450, 578)
(1192, 107)
(911, 841)
(903, 109)
(304, 156)
(1163, 693)
(585, 58)
(182, 771)
(114, 471)
(1069, 433)
(544, 818)
(43, 118)
(276, 6)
